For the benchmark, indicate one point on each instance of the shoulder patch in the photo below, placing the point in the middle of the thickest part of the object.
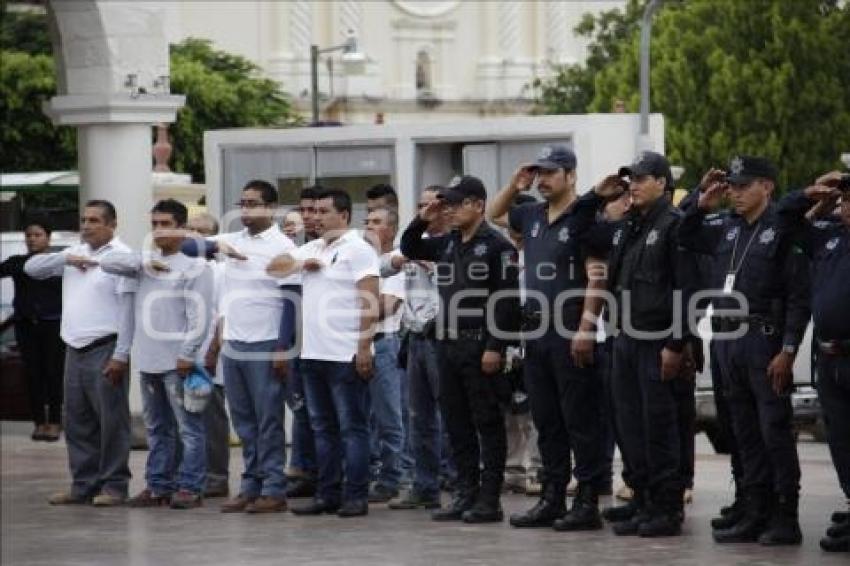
(767, 236)
(480, 249)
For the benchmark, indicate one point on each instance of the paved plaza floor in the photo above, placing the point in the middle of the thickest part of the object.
(34, 533)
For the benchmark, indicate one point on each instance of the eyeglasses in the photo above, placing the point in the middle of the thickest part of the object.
(250, 203)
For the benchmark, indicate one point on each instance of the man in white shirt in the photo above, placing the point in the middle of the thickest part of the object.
(258, 321)
(340, 286)
(173, 305)
(386, 389)
(97, 319)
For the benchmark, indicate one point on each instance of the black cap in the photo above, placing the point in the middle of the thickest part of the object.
(743, 169)
(461, 188)
(649, 163)
(557, 156)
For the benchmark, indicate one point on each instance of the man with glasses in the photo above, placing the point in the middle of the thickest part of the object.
(258, 323)
(758, 270)
(473, 263)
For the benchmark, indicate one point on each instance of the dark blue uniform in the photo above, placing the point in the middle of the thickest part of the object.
(471, 402)
(774, 280)
(565, 400)
(828, 246)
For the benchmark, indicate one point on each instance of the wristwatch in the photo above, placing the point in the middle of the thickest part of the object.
(790, 349)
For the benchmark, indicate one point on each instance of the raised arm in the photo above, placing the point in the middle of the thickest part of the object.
(43, 266)
(497, 211)
(413, 245)
(125, 264)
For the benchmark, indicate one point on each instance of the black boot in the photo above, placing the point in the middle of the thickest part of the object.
(641, 514)
(784, 526)
(839, 529)
(624, 512)
(666, 515)
(462, 501)
(551, 506)
(731, 514)
(584, 514)
(751, 525)
(487, 509)
(840, 517)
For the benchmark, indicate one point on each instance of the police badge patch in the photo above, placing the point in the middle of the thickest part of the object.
(617, 235)
(736, 166)
(652, 237)
(767, 236)
(832, 244)
(535, 229)
(480, 249)
(732, 234)
(545, 153)
(563, 234)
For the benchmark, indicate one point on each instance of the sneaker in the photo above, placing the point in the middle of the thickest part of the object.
(414, 500)
(146, 498)
(266, 504)
(237, 504)
(382, 494)
(185, 499)
(107, 499)
(67, 498)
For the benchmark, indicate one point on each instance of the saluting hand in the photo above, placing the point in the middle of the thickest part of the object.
(610, 187)
(822, 192)
(431, 211)
(523, 178)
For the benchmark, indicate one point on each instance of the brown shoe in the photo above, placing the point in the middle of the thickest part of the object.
(51, 432)
(38, 432)
(67, 498)
(107, 499)
(237, 504)
(185, 499)
(267, 504)
(146, 498)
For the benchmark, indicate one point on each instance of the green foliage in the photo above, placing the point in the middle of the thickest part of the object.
(29, 140)
(763, 77)
(24, 31)
(222, 91)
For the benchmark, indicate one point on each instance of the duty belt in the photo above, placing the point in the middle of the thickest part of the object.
(464, 334)
(834, 347)
(733, 323)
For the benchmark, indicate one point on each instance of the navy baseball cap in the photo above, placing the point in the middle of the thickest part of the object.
(743, 169)
(649, 163)
(461, 188)
(556, 156)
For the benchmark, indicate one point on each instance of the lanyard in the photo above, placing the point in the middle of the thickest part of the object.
(732, 268)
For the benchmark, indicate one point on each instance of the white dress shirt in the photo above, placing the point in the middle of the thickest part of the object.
(251, 300)
(94, 303)
(392, 285)
(331, 313)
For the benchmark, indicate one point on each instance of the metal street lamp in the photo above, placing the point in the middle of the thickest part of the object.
(351, 58)
(645, 35)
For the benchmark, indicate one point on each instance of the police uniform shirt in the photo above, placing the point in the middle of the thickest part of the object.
(827, 243)
(768, 269)
(480, 267)
(554, 257)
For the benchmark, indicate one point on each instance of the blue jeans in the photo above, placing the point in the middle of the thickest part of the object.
(165, 421)
(255, 399)
(303, 457)
(425, 423)
(337, 400)
(385, 397)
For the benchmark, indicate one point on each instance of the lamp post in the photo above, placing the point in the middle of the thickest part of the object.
(350, 57)
(645, 35)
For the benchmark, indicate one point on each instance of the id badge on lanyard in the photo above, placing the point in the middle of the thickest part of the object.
(729, 284)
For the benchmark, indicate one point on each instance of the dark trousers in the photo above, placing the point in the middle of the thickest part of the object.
(565, 406)
(647, 418)
(609, 437)
(685, 392)
(337, 401)
(762, 420)
(43, 354)
(303, 460)
(471, 403)
(724, 419)
(834, 394)
(217, 426)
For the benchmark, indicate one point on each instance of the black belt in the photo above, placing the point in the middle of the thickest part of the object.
(96, 344)
(733, 323)
(834, 347)
(464, 334)
(381, 335)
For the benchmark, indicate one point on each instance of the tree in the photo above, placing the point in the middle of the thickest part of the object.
(573, 87)
(222, 91)
(763, 77)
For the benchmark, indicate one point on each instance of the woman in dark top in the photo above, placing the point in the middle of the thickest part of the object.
(38, 310)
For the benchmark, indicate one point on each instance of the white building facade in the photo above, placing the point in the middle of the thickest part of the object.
(461, 58)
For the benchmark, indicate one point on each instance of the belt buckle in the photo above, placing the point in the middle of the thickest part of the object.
(830, 348)
(768, 329)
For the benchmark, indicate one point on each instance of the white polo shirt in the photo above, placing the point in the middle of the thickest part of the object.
(331, 306)
(91, 299)
(392, 285)
(251, 300)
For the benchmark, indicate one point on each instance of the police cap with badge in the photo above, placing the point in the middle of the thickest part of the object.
(744, 169)
(462, 188)
(552, 157)
(649, 163)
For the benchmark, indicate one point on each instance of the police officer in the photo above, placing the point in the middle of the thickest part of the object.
(646, 280)
(760, 272)
(827, 243)
(564, 391)
(472, 263)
